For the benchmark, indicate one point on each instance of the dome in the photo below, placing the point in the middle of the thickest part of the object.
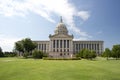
(61, 28)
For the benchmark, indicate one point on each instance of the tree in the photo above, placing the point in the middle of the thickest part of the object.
(87, 54)
(80, 53)
(19, 46)
(25, 46)
(107, 53)
(93, 54)
(116, 51)
(28, 45)
(1, 53)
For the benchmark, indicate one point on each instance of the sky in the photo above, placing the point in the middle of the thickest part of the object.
(36, 19)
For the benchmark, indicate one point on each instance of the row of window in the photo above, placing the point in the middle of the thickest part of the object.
(41, 46)
(88, 46)
(57, 50)
(62, 54)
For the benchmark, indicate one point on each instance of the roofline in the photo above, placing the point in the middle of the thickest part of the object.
(89, 40)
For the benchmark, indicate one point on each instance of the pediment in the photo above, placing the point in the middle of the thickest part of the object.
(61, 36)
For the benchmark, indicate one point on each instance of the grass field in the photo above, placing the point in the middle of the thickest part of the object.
(30, 69)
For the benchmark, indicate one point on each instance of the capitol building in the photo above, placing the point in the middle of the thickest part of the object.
(61, 44)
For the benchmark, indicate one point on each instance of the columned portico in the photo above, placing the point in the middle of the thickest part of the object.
(61, 42)
(61, 47)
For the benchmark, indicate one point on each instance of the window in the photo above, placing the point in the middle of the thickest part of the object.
(53, 50)
(57, 43)
(57, 50)
(53, 43)
(60, 50)
(64, 43)
(86, 46)
(76, 46)
(60, 43)
(90, 46)
(67, 53)
(67, 50)
(39, 46)
(45, 46)
(67, 43)
(42, 46)
(79, 46)
(97, 46)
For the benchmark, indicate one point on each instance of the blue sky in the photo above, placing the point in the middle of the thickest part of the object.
(36, 19)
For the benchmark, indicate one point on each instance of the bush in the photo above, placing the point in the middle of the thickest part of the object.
(38, 54)
(48, 58)
(1, 54)
(10, 54)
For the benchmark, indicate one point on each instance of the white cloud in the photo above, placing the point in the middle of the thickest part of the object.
(7, 42)
(84, 15)
(46, 9)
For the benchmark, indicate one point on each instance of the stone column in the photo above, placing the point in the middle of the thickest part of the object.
(59, 46)
(101, 47)
(83, 45)
(66, 44)
(88, 45)
(43, 47)
(38, 46)
(62, 45)
(55, 45)
(96, 47)
(79, 46)
(69, 44)
(71, 48)
(91, 46)
(51, 45)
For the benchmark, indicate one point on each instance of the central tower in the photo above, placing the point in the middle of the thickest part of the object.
(61, 43)
(61, 28)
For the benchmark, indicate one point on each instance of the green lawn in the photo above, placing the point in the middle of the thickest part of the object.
(30, 69)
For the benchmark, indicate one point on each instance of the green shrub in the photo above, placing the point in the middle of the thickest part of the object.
(38, 54)
(25, 55)
(48, 58)
(87, 54)
(10, 54)
(1, 54)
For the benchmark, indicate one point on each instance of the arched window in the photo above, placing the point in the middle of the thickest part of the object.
(60, 54)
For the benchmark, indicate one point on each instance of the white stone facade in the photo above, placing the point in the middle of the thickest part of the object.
(61, 44)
